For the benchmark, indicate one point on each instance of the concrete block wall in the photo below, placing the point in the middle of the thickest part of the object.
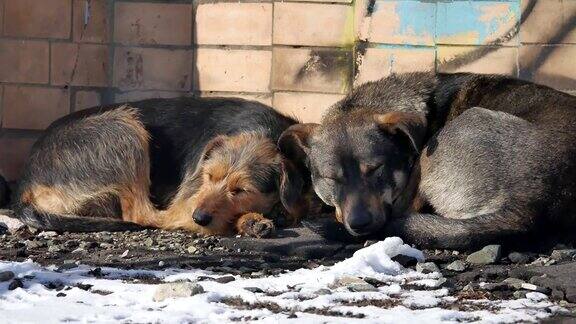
(300, 56)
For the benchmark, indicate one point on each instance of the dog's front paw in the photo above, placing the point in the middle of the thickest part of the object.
(255, 225)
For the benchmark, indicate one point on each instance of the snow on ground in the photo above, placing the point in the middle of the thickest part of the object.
(304, 295)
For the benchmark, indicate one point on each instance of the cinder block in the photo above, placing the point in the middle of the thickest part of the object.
(233, 70)
(153, 23)
(228, 23)
(152, 69)
(79, 64)
(24, 61)
(264, 98)
(547, 20)
(33, 107)
(305, 106)
(136, 95)
(396, 22)
(90, 23)
(477, 22)
(86, 99)
(14, 151)
(552, 65)
(478, 59)
(312, 70)
(33, 18)
(377, 63)
(313, 24)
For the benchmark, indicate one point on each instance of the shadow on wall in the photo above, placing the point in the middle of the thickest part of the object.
(534, 63)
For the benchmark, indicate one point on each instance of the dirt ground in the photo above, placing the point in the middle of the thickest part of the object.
(552, 272)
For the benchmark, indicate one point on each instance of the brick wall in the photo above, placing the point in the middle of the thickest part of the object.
(59, 56)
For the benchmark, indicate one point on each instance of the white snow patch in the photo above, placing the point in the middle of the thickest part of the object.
(295, 294)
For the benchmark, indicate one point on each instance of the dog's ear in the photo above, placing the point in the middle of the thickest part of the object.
(295, 177)
(294, 143)
(212, 145)
(291, 189)
(411, 125)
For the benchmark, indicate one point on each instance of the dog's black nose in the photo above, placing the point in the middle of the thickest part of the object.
(360, 222)
(201, 217)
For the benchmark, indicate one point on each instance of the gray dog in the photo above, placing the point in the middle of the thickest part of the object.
(414, 155)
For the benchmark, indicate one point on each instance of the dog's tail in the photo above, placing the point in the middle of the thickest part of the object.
(70, 223)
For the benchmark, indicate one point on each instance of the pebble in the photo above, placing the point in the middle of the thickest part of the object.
(125, 254)
(161, 263)
(176, 290)
(427, 267)
(16, 283)
(353, 284)
(254, 289)
(323, 291)
(533, 287)
(149, 242)
(489, 254)
(514, 283)
(47, 234)
(519, 294)
(54, 248)
(192, 249)
(563, 255)
(405, 261)
(225, 279)
(517, 257)
(6, 275)
(10, 224)
(457, 266)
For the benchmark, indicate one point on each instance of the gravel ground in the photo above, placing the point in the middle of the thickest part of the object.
(490, 273)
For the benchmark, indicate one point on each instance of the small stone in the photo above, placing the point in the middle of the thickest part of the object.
(16, 283)
(489, 254)
(519, 258)
(35, 244)
(47, 234)
(6, 275)
(353, 284)
(60, 294)
(493, 286)
(519, 294)
(541, 261)
(177, 290)
(405, 261)
(514, 283)
(125, 254)
(557, 295)
(468, 287)
(323, 291)
(533, 287)
(79, 250)
(106, 245)
(225, 279)
(11, 225)
(455, 252)
(192, 249)
(254, 289)
(427, 267)
(563, 255)
(54, 248)
(374, 282)
(457, 266)
(149, 242)
(161, 263)
(360, 287)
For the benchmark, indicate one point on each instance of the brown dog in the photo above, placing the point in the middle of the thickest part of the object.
(209, 166)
